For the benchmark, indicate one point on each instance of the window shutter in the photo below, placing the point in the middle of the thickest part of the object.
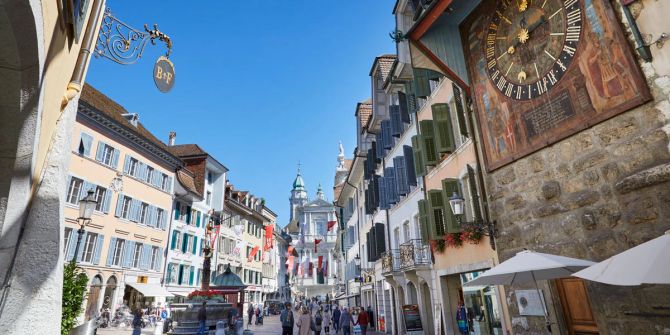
(400, 170)
(197, 218)
(436, 213)
(195, 245)
(391, 192)
(177, 207)
(163, 220)
(99, 154)
(126, 164)
(184, 243)
(383, 194)
(119, 205)
(188, 214)
(423, 220)
(404, 109)
(68, 181)
(135, 210)
(73, 244)
(380, 239)
(387, 139)
(409, 165)
(159, 260)
(419, 167)
(378, 146)
(411, 98)
(396, 121)
(375, 191)
(202, 246)
(97, 249)
(449, 186)
(173, 244)
(83, 191)
(474, 195)
(128, 253)
(368, 245)
(147, 257)
(107, 201)
(110, 251)
(87, 141)
(191, 272)
(169, 184)
(115, 158)
(428, 148)
(460, 110)
(421, 83)
(444, 133)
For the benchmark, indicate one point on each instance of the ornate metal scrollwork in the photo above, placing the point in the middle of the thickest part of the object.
(124, 44)
(406, 255)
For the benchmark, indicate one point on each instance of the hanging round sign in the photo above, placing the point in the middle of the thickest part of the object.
(164, 74)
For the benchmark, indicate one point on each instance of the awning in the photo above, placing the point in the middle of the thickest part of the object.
(180, 294)
(151, 290)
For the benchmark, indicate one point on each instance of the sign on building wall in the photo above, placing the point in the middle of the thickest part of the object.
(544, 70)
(412, 319)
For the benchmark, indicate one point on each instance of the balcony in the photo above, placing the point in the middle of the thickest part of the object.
(414, 254)
(390, 261)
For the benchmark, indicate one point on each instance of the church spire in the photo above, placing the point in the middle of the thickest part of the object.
(319, 193)
(298, 183)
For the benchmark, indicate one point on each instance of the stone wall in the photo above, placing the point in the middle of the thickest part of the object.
(590, 196)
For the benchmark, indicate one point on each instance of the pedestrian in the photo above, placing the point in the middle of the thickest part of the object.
(345, 321)
(363, 320)
(304, 322)
(371, 317)
(137, 322)
(287, 320)
(326, 320)
(258, 315)
(202, 318)
(250, 313)
(336, 319)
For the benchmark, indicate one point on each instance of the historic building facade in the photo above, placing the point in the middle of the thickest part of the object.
(131, 175)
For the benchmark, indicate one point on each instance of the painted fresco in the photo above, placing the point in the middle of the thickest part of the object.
(517, 118)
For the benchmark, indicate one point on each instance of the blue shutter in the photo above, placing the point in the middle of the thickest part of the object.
(155, 179)
(115, 158)
(202, 246)
(128, 254)
(169, 185)
(395, 121)
(409, 165)
(404, 108)
(135, 210)
(146, 257)
(163, 222)
(142, 171)
(80, 252)
(383, 202)
(197, 218)
(159, 259)
(400, 170)
(68, 180)
(391, 191)
(97, 249)
(119, 205)
(107, 200)
(87, 141)
(72, 246)
(83, 192)
(387, 138)
(153, 212)
(110, 252)
(126, 164)
(379, 147)
(101, 151)
(168, 274)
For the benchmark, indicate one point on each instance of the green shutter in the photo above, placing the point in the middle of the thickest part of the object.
(449, 186)
(422, 79)
(174, 240)
(184, 243)
(423, 220)
(195, 245)
(188, 214)
(428, 149)
(436, 213)
(419, 167)
(444, 133)
(176, 210)
(460, 110)
(197, 218)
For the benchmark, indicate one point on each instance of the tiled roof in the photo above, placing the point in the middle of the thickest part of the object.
(347, 163)
(186, 150)
(337, 190)
(385, 62)
(102, 103)
(187, 180)
(364, 112)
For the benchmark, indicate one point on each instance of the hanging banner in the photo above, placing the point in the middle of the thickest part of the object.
(214, 236)
(412, 319)
(239, 246)
(331, 224)
(316, 244)
(253, 253)
(269, 229)
(289, 252)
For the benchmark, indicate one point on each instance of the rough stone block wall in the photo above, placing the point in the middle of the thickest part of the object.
(591, 196)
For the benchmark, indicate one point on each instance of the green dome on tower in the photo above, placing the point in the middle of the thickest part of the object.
(298, 183)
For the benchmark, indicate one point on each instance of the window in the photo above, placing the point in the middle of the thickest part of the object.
(209, 198)
(118, 252)
(137, 255)
(100, 193)
(125, 208)
(144, 211)
(396, 236)
(159, 217)
(245, 275)
(107, 156)
(164, 182)
(406, 231)
(209, 178)
(74, 189)
(150, 172)
(85, 142)
(154, 259)
(89, 246)
(67, 239)
(183, 212)
(132, 168)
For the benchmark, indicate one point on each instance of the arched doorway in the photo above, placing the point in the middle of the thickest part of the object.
(412, 296)
(110, 293)
(93, 298)
(427, 307)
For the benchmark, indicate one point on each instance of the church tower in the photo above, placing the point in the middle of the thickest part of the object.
(298, 195)
(341, 171)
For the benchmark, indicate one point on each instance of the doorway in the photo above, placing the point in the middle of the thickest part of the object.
(110, 293)
(576, 306)
(93, 298)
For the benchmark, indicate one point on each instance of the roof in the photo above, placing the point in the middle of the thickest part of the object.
(385, 62)
(187, 180)
(337, 190)
(227, 279)
(364, 112)
(299, 183)
(96, 99)
(186, 150)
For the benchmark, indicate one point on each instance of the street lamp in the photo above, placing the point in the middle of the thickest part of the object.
(86, 208)
(457, 204)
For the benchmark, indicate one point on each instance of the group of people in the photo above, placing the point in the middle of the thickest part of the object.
(316, 318)
(258, 312)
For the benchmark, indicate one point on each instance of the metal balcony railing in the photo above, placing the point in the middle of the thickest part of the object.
(414, 253)
(390, 261)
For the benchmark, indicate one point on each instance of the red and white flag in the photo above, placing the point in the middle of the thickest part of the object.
(316, 243)
(331, 224)
(253, 253)
(269, 229)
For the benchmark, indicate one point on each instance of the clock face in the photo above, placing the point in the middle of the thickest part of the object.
(530, 44)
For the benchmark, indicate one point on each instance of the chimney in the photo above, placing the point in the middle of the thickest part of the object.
(171, 136)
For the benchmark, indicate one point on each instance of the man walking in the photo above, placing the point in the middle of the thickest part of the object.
(250, 313)
(202, 318)
(336, 319)
(286, 318)
(345, 321)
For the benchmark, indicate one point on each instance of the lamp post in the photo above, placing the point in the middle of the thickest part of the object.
(86, 207)
(457, 204)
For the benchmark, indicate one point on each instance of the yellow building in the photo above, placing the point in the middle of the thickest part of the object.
(44, 51)
(131, 174)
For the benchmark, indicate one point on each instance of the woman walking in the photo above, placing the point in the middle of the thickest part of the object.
(326, 321)
(304, 322)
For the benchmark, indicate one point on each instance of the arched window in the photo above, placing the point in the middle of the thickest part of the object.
(111, 281)
(97, 281)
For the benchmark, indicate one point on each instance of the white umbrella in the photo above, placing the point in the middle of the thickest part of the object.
(529, 266)
(647, 263)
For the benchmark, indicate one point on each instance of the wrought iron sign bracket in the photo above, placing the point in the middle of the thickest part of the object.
(483, 227)
(124, 44)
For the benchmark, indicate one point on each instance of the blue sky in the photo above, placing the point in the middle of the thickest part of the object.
(260, 84)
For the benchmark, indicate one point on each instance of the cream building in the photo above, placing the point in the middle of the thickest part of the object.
(131, 174)
(44, 63)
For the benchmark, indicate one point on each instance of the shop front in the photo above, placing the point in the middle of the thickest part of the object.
(482, 306)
